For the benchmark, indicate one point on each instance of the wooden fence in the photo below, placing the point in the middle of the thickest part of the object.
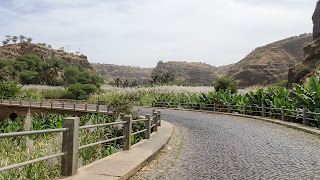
(70, 138)
(302, 116)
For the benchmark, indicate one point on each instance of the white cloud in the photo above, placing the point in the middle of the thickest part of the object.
(142, 32)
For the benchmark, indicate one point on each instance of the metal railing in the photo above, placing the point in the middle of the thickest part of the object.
(70, 139)
(301, 116)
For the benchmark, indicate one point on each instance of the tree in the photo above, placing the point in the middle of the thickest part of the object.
(117, 82)
(4, 43)
(28, 77)
(29, 39)
(125, 83)
(49, 46)
(14, 39)
(225, 83)
(81, 91)
(8, 38)
(22, 38)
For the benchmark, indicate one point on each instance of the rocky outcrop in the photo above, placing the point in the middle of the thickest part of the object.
(310, 65)
(14, 51)
(192, 72)
(270, 63)
(316, 21)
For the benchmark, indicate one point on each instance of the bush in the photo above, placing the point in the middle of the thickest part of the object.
(9, 89)
(28, 77)
(81, 91)
(225, 82)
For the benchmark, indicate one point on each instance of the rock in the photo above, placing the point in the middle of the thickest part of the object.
(309, 66)
(316, 21)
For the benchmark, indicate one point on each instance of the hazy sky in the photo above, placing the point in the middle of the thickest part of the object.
(142, 32)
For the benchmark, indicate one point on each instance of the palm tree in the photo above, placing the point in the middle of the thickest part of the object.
(117, 82)
(29, 39)
(14, 39)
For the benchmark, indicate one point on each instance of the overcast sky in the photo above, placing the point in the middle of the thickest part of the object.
(143, 32)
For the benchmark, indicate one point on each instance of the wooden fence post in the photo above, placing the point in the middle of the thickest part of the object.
(70, 144)
(97, 108)
(20, 103)
(263, 110)
(201, 106)
(10, 101)
(304, 114)
(152, 104)
(148, 126)
(159, 118)
(127, 132)
(244, 109)
(40, 104)
(283, 113)
(155, 122)
(86, 107)
(229, 108)
(63, 105)
(74, 106)
(214, 107)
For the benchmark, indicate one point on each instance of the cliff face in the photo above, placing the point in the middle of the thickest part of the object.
(310, 65)
(110, 72)
(270, 64)
(14, 51)
(192, 72)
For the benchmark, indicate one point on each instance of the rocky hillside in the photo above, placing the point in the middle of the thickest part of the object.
(192, 72)
(14, 51)
(270, 64)
(110, 72)
(310, 65)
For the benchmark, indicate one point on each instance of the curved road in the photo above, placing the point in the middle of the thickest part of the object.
(227, 147)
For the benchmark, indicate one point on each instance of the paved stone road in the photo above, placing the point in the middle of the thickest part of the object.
(209, 146)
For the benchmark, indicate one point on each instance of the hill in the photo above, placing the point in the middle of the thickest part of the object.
(192, 72)
(110, 72)
(14, 51)
(270, 64)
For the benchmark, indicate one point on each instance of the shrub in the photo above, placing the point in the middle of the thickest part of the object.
(81, 91)
(304, 71)
(225, 82)
(9, 89)
(28, 77)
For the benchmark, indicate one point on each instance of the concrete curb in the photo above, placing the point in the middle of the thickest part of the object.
(124, 164)
(308, 129)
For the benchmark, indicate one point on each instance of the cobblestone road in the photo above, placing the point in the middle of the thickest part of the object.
(209, 146)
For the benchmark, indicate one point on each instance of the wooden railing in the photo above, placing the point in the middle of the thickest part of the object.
(70, 139)
(302, 116)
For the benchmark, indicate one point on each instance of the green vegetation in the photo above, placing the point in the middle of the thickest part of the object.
(21, 149)
(9, 89)
(225, 83)
(161, 78)
(30, 69)
(304, 71)
(81, 91)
